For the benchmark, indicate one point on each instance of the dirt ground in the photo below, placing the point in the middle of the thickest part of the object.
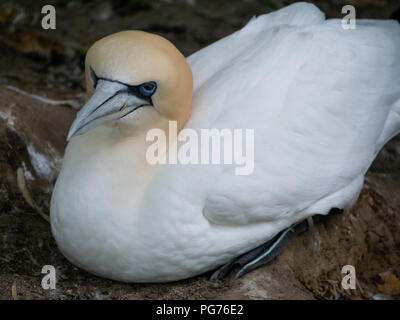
(49, 64)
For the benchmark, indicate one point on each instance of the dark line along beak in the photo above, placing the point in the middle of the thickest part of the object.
(111, 100)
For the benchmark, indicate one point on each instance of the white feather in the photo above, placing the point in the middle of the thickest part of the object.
(322, 101)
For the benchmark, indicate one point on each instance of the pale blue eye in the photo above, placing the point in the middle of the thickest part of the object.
(148, 88)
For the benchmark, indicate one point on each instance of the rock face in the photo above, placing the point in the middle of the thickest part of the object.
(32, 137)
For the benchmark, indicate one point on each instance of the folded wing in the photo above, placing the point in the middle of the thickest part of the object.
(322, 101)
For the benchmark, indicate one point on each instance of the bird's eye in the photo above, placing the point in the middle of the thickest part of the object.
(148, 88)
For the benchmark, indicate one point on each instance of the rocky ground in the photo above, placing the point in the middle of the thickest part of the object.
(49, 65)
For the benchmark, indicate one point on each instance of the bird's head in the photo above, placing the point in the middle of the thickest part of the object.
(134, 77)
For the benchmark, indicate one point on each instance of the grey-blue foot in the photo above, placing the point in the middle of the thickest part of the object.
(268, 251)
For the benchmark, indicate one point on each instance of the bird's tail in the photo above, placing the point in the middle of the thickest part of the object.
(396, 15)
(392, 126)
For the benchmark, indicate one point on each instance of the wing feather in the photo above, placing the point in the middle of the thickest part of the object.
(321, 101)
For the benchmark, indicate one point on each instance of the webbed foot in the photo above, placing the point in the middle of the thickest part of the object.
(269, 250)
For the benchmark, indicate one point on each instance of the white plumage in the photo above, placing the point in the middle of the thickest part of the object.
(322, 101)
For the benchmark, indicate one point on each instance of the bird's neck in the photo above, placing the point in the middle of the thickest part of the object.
(115, 154)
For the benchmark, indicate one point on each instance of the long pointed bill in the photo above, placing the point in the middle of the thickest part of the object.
(110, 101)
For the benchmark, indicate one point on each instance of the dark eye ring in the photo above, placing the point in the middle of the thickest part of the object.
(148, 88)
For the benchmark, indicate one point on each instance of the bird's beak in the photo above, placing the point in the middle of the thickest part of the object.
(111, 101)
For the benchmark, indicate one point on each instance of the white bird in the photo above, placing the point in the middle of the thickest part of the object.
(322, 100)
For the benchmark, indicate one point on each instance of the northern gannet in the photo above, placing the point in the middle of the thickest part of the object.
(323, 100)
